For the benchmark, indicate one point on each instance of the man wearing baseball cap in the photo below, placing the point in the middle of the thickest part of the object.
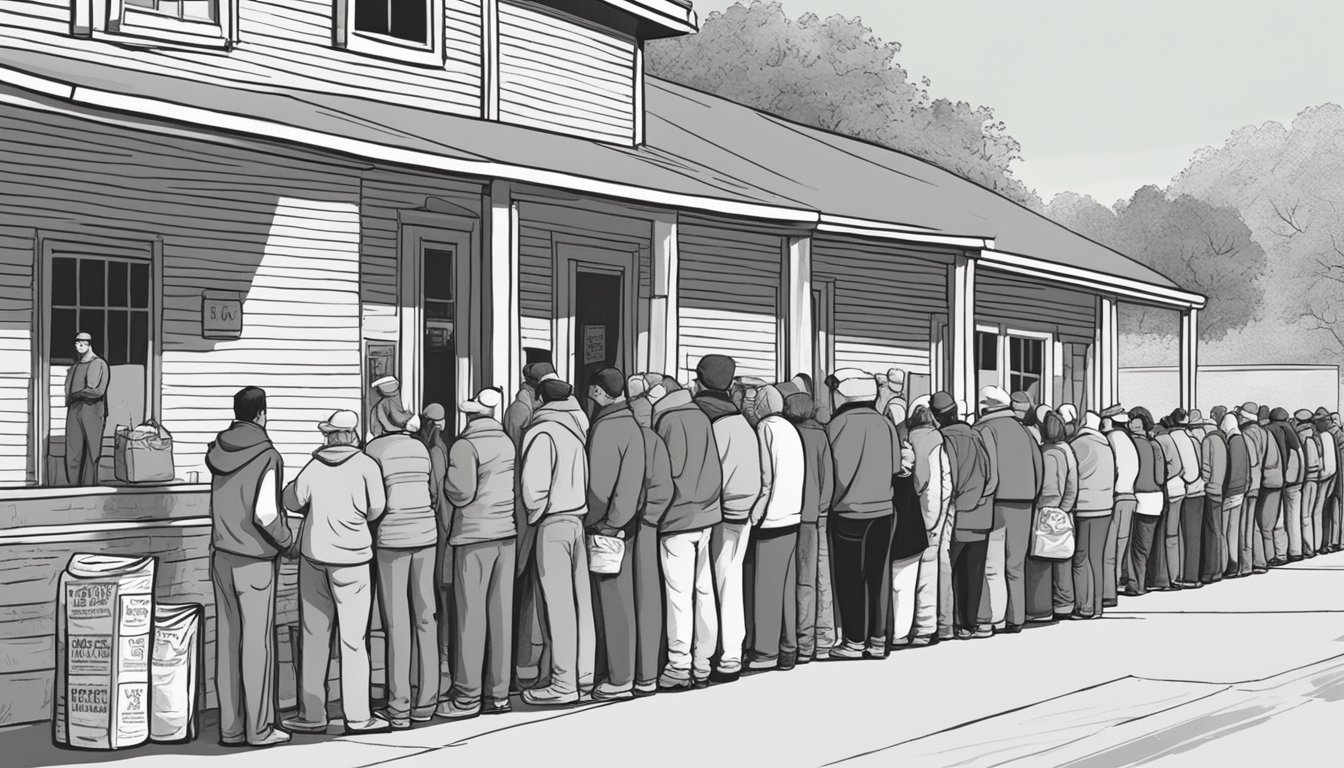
(85, 413)
(1115, 420)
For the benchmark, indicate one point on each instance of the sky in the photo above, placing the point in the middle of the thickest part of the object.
(1108, 96)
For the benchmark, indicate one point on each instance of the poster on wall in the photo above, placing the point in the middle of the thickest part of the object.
(594, 344)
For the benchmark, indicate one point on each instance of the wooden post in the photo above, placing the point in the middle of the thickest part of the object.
(1104, 339)
(502, 328)
(801, 332)
(1189, 359)
(961, 329)
(663, 304)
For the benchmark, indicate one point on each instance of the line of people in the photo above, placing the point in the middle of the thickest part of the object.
(678, 535)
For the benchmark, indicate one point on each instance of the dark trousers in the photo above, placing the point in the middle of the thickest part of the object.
(860, 556)
(1212, 545)
(1040, 589)
(1266, 518)
(648, 607)
(968, 580)
(1192, 532)
(245, 654)
(1089, 564)
(1158, 576)
(1140, 548)
(775, 593)
(614, 611)
(83, 442)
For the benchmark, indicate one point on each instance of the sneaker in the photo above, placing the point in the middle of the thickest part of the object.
(877, 649)
(700, 683)
(822, 655)
(398, 723)
(451, 710)
(1131, 592)
(550, 697)
(273, 739)
(923, 641)
(497, 708)
(965, 634)
(847, 650)
(898, 643)
(1110, 603)
(608, 692)
(761, 664)
(983, 632)
(805, 658)
(1258, 571)
(787, 661)
(298, 725)
(646, 688)
(719, 677)
(672, 682)
(372, 725)
(1012, 629)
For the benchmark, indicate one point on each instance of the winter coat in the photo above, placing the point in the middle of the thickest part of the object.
(1290, 452)
(1188, 449)
(1238, 465)
(780, 504)
(658, 491)
(615, 469)
(480, 484)
(1096, 474)
(1152, 474)
(739, 455)
(1014, 457)
(697, 475)
(1059, 488)
(1126, 462)
(1311, 449)
(819, 471)
(933, 475)
(342, 490)
(1171, 455)
(1257, 441)
(972, 496)
(518, 416)
(389, 415)
(1329, 455)
(408, 522)
(866, 453)
(554, 463)
(246, 511)
(1213, 464)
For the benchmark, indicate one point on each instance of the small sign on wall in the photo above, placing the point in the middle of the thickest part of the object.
(594, 344)
(221, 316)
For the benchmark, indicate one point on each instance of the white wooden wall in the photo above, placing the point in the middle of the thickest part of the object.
(1023, 303)
(16, 361)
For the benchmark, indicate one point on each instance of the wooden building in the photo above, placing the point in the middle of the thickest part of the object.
(304, 195)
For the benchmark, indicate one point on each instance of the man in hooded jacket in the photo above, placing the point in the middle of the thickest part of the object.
(1262, 495)
(1294, 476)
(1234, 492)
(654, 500)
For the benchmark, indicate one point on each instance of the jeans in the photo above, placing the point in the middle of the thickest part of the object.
(614, 616)
(728, 545)
(1117, 543)
(816, 602)
(1267, 511)
(1292, 518)
(245, 650)
(1089, 572)
(775, 604)
(928, 588)
(483, 579)
(1012, 525)
(1212, 547)
(406, 587)
(692, 618)
(340, 598)
(84, 423)
(946, 614)
(1232, 506)
(1312, 544)
(1252, 547)
(968, 580)
(1192, 533)
(904, 585)
(648, 605)
(567, 610)
(1140, 548)
(860, 550)
(1174, 539)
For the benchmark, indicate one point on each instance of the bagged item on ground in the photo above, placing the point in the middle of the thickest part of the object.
(1052, 534)
(178, 663)
(143, 454)
(104, 623)
(605, 554)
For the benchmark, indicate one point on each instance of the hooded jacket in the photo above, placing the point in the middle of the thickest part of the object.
(480, 484)
(245, 503)
(1096, 471)
(1014, 457)
(1188, 449)
(615, 469)
(1289, 445)
(866, 452)
(739, 455)
(697, 475)
(1238, 458)
(780, 504)
(342, 489)
(933, 475)
(555, 464)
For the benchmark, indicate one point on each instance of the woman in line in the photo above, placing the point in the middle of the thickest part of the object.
(1059, 490)
(1148, 491)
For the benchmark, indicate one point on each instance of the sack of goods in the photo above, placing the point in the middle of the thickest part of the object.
(177, 665)
(605, 554)
(143, 454)
(104, 623)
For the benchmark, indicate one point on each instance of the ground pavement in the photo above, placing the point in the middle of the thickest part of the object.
(1244, 672)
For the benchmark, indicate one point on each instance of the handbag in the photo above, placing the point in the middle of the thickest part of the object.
(605, 554)
(143, 454)
(1052, 534)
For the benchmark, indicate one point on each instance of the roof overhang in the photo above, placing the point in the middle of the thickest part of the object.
(1099, 282)
(842, 225)
(672, 18)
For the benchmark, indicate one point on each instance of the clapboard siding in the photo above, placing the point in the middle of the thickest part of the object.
(559, 73)
(289, 40)
(1017, 302)
(729, 291)
(16, 360)
(884, 297)
(539, 225)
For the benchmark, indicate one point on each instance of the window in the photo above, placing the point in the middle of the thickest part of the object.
(181, 22)
(106, 298)
(1026, 366)
(986, 351)
(408, 31)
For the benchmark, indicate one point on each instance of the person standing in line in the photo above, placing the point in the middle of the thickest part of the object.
(1069, 414)
(555, 495)
(1192, 506)
(740, 468)
(1213, 468)
(342, 491)
(866, 454)
(909, 540)
(616, 466)
(934, 486)
(1164, 568)
(655, 499)
(529, 644)
(1262, 492)
(389, 414)
(1148, 484)
(816, 603)
(1024, 412)
(1311, 484)
(776, 518)
(249, 533)
(972, 510)
(405, 553)
(432, 424)
(85, 413)
(1337, 498)
(1294, 477)
(684, 535)
(1039, 572)
(1122, 522)
(1329, 466)
(1093, 510)
(1059, 490)
(1016, 467)
(480, 486)
(1234, 492)
(1198, 426)
(890, 386)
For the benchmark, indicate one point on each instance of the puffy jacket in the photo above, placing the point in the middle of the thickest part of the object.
(780, 504)
(1015, 468)
(409, 521)
(972, 496)
(866, 452)
(1059, 489)
(481, 483)
(1096, 474)
(739, 455)
(697, 475)
(1171, 455)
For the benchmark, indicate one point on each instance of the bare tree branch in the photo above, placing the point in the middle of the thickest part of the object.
(1289, 217)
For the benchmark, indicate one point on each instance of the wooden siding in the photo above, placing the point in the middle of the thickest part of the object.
(559, 73)
(729, 283)
(283, 42)
(16, 361)
(884, 297)
(281, 231)
(1025, 304)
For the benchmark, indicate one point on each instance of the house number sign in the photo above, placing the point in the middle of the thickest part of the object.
(221, 316)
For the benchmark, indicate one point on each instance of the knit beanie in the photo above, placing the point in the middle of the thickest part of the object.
(610, 380)
(716, 372)
(554, 390)
(799, 407)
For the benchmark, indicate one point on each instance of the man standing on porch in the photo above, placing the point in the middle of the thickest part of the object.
(85, 414)
(740, 460)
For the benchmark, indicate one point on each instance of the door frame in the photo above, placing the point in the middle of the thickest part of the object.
(416, 233)
(571, 255)
(823, 335)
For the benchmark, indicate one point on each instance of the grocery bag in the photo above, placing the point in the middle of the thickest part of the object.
(177, 666)
(605, 554)
(105, 606)
(143, 454)
(1052, 534)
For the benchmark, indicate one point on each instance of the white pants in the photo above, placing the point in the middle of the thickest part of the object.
(904, 598)
(931, 565)
(728, 545)
(692, 624)
(996, 578)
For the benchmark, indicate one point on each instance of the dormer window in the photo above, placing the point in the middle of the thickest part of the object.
(407, 31)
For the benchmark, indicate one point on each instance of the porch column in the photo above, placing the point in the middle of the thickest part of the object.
(961, 329)
(802, 333)
(1105, 339)
(502, 323)
(663, 303)
(1189, 358)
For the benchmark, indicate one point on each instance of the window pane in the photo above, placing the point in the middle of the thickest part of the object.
(138, 339)
(410, 20)
(117, 329)
(116, 283)
(199, 10)
(439, 275)
(91, 285)
(987, 351)
(93, 322)
(371, 16)
(62, 342)
(140, 286)
(64, 282)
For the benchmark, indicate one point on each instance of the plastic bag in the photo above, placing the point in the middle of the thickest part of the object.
(144, 454)
(1052, 534)
(178, 664)
(605, 554)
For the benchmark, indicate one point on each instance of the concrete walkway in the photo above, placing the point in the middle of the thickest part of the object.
(1244, 672)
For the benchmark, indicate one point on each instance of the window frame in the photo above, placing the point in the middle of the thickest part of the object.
(130, 25)
(1047, 342)
(430, 54)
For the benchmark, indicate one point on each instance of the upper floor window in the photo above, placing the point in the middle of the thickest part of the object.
(408, 31)
(178, 22)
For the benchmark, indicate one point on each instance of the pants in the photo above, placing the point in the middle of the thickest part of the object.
(1089, 565)
(567, 601)
(1337, 510)
(728, 545)
(1141, 548)
(614, 617)
(1193, 510)
(1062, 594)
(947, 621)
(775, 605)
(1212, 547)
(1322, 495)
(341, 595)
(1267, 510)
(1310, 491)
(1175, 540)
(648, 605)
(816, 603)
(1252, 548)
(1292, 518)
(245, 653)
(860, 550)
(929, 584)
(692, 619)
(1232, 506)
(1012, 527)
(406, 587)
(1117, 543)
(904, 586)
(530, 649)
(968, 580)
(483, 576)
(1039, 578)
(83, 441)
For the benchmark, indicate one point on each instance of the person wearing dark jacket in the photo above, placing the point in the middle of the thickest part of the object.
(1148, 485)
(654, 501)
(1262, 496)
(1093, 508)
(973, 512)
(1213, 468)
(249, 533)
(1016, 473)
(1289, 543)
(1164, 566)
(1234, 492)
(616, 467)
(816, 602)
(529, 655)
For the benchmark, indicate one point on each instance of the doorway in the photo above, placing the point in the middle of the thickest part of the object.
(439, 347)
(596, 323)
(823, 351)
(597, 326)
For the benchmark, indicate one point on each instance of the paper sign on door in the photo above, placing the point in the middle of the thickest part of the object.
(594, 344)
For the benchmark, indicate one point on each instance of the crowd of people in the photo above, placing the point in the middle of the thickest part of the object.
(672, 537)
